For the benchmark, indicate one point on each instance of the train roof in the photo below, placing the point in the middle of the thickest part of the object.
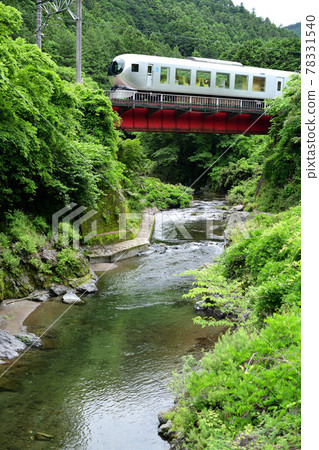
(199, 62)
(214, 61)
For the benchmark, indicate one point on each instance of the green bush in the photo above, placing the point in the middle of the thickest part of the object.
(260, 271)
(165, 196)
(10, 261)
(67, 234)
(23, 233)
(249, 384)
(68, 263)
(244, 193)
(4, 241)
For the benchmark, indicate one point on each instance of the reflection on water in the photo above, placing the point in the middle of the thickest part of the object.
(102, 377)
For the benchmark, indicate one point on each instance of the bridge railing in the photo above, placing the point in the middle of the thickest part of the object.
(134, 99)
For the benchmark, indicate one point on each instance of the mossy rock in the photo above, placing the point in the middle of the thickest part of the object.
(105, 222)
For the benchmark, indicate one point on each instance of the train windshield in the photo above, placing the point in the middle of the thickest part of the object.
(116, 67)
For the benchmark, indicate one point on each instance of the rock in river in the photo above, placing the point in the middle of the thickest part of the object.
(165, 430)
(71, 298)
(10, 345)
(29, 339)
(238, 208)
(87, 288)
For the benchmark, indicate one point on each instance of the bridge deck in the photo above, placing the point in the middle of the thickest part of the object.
(141, 111)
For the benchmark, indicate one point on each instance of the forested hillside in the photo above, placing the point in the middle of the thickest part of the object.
(58, 140)
(296, 28)
(58, 146)
(206, 28)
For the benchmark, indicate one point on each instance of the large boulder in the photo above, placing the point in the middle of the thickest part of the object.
(10, 345)
(162, 415)
(93, 275)
(50, 256)
(39, 296)
(87, 288)
(30, 339)
(165, 430)
(58, 289)
(237, 208)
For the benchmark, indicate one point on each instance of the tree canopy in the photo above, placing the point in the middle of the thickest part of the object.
(57, 141)
(206, 28)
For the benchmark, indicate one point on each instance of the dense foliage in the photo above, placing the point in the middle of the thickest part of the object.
(264, 172)
(259, 272)
(31, 258)
(57, 142)
(246, 393)
(295, 28)
(165, 196)
(58, 146)
(207, 28)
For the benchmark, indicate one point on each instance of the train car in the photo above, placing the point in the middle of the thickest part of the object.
(195, 76)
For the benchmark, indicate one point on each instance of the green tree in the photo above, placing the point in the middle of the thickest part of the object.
(57, 141)
(282, 168)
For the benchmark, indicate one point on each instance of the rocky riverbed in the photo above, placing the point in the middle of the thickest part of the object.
(14, 337)
(13, 312)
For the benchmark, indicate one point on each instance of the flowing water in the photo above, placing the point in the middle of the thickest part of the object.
(102, 375)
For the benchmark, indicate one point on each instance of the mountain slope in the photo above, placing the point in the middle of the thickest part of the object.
(165, 27)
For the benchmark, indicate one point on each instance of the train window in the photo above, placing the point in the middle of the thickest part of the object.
(135, 67)
(222, 80)
(116, 67)
(278, 85)
(164, 75)
(202, 78)
(183, 77)
(241, 82)
(259, 84)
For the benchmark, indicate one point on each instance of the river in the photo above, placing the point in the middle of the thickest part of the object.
(103, 372)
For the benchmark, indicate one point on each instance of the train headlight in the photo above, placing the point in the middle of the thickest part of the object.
(116, 67)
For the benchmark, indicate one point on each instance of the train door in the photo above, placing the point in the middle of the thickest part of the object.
(279, 86)
(149, 81)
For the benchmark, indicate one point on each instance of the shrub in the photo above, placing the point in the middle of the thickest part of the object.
(67, 234)
(69, 263)
(23, 233)
(10, 261)
(165, 196)
(260, 271)
(249, 384)
(4, 241)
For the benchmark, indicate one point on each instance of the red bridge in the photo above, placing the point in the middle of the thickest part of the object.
(183, 113)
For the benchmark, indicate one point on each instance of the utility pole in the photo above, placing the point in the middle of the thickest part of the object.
(79, 41)
(39, 25)
(53, 7)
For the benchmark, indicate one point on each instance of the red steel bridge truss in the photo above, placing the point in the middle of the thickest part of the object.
(141, 111)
